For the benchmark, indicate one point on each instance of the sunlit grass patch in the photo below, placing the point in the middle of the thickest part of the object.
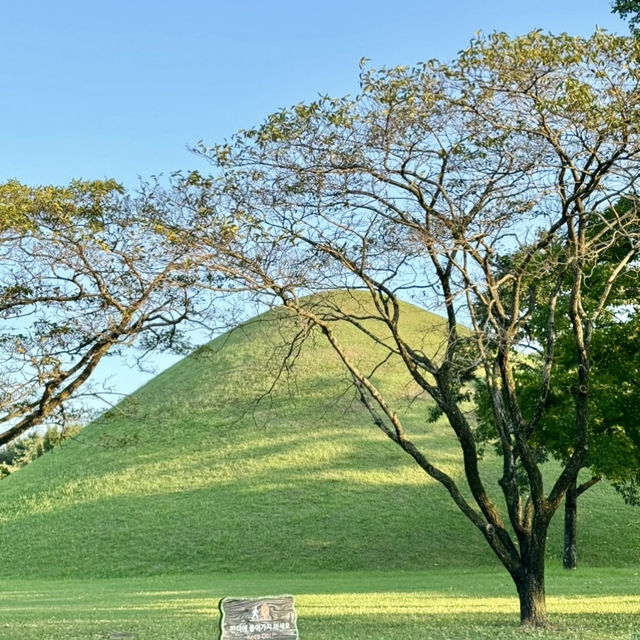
(443, 605)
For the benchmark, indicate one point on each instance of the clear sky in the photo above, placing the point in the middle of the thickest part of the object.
(122, 88)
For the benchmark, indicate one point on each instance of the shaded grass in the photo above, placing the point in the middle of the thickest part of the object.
(603, 605)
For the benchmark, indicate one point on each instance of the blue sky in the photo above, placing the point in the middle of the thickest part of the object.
(120, 89)
(123, 88)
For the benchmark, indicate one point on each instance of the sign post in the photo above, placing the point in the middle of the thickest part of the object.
(268, 618)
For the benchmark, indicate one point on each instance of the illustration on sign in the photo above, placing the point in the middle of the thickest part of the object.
(268, 618)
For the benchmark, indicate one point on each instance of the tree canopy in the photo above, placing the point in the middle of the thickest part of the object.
(83, 273)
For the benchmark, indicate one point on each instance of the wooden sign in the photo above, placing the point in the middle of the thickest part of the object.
(269, 618)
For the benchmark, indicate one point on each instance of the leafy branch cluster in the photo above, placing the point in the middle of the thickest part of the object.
(84, 273)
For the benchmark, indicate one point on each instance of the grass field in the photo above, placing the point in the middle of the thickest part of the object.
(172, 479)
(199, 486)
(442, 605)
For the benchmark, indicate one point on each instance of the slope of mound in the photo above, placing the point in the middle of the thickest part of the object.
(229, 462)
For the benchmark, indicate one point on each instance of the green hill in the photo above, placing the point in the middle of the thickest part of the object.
(204, 470)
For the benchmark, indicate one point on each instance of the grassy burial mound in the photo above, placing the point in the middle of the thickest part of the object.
(227, 462)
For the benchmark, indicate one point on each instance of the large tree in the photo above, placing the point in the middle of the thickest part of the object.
(83, 274)
(414, 189)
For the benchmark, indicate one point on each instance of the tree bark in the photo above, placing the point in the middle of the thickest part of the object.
(533, 608)
(529, 580)
(570, 553)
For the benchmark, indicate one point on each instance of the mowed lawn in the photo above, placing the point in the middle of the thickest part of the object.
(207, 454)
(598, 604)
(192, 489)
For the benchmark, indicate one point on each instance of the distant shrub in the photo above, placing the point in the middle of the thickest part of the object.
(21, 452)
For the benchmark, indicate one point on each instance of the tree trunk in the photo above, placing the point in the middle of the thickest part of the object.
(529, 579)
(533, 607)
(570, 553)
